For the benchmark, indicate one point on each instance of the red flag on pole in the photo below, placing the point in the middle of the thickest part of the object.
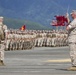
(23, 27)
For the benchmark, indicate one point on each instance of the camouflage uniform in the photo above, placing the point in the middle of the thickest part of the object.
(53, 40)
(2, 41)
(39, 40)
(49, 41)
(1, 32)
(72, 41)
(2, 48)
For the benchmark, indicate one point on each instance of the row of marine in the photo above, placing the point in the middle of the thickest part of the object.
(20, 40)
(51, 39)
(28, 39)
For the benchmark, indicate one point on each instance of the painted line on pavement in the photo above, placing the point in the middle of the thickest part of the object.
(59, 60)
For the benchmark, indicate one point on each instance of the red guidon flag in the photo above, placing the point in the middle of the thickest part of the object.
(61, 20)
(23, 27)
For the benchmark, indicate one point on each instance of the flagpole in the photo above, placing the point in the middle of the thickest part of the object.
(56, 28)
(67, 16)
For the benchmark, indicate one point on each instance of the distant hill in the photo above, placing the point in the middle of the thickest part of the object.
(17, 23)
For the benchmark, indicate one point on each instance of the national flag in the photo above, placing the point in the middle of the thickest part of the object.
(54, 23)
(61, 20)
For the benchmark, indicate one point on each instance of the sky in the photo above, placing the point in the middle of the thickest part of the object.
(20, 4)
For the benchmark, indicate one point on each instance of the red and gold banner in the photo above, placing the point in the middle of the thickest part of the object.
(23, 27)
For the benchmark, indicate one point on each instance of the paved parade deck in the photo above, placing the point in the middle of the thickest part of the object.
(38, 61)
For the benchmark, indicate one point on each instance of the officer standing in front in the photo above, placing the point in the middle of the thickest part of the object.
(72, 39)
(2, 41)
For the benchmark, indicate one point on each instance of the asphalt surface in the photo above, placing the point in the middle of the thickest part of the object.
(37, 61)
